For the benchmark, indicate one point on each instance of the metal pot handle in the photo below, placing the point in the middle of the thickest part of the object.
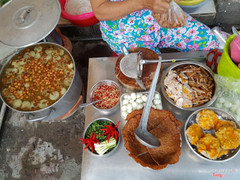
(42, 117)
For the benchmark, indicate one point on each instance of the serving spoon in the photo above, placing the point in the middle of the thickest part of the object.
(90, 103)
(141, 133)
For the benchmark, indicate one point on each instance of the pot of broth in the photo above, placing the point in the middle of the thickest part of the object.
(41, 81)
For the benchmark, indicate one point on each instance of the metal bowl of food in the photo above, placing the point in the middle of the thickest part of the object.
(188, 86)
(104, 143)
(110, 92)
(212, 134)
(41, 81)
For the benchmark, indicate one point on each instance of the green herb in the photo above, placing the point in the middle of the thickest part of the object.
(95, 128)
(2, 2)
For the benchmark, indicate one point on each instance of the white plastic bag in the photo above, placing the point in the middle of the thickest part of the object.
(173, 18)
(228, 99)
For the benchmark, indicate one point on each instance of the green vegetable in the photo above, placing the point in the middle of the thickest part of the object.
(2, 2)
(105, 146)
(95, 128)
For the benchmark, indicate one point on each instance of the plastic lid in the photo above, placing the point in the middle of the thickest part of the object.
(25, 22)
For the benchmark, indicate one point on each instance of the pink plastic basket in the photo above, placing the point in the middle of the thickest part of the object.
(83, 20)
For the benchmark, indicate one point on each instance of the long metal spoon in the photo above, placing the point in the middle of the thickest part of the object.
(130, 65)
(141, 133)
(90, 103)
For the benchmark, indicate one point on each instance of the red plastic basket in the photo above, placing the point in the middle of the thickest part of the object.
(83, 20)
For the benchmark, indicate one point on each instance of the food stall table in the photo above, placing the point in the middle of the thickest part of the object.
(120, 166)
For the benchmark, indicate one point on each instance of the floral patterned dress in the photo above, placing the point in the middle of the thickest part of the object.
(139, 29)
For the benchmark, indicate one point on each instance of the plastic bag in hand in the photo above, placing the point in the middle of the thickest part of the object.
(173, 18)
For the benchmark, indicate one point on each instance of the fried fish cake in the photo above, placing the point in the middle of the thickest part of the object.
(207, 119)
(194, 133)
(163, 125)
(225, 123)
(209, 146)
(223, 152)
(229, 137)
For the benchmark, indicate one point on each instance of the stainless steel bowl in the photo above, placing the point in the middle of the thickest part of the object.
(118, 141)
(105, 82)
(221, 115)
(183, 113)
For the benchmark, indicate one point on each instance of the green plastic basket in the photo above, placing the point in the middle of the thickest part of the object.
(226, 67)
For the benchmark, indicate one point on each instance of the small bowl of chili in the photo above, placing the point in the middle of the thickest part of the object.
(101, 137)
(109, 91)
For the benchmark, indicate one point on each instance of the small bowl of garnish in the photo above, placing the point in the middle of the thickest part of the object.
(110, 92)
(101, 137)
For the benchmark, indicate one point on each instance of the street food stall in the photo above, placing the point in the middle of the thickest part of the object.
(120, 165)
(195, 122)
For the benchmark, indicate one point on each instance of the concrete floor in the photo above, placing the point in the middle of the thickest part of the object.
(47, 150)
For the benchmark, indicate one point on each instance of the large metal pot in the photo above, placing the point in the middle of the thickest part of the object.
(62, 106)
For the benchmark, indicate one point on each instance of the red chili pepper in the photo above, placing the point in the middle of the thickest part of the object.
(111, 131)
(90, 141)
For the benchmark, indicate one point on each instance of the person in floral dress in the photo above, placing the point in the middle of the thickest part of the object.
(131, 23)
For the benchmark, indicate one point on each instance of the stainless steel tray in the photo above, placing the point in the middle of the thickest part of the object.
(120, 166)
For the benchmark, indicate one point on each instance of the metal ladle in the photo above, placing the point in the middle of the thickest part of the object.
(141, 133)
(90, 103)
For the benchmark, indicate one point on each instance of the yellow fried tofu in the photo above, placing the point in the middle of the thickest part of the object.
(207, 119)
(223, 152)
(194, 133)
(209, 146)
(222, 123)
(229, 137)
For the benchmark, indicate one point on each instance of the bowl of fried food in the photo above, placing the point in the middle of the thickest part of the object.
(188, 86)
(213, 134)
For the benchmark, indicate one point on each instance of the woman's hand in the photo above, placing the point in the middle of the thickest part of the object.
(106, 10)
(156, 6)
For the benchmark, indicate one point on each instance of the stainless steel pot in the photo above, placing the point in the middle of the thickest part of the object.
(64, 104)
(183, 113)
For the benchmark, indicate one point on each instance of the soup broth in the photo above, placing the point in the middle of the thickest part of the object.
(37, 77)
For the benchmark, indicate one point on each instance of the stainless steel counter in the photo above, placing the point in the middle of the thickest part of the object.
(119, 166)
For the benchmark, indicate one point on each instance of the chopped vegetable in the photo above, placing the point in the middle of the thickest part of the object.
(95, 128)
(95, 136)
(109, 93)
(105, 146)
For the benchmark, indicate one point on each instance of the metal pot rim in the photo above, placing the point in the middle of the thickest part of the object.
(15, 54)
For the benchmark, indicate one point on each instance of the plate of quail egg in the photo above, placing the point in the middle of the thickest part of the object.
(136, 100)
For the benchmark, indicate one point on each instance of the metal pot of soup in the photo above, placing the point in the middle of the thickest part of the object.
(41, 81)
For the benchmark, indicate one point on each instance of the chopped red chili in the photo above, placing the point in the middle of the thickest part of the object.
(109, 93)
